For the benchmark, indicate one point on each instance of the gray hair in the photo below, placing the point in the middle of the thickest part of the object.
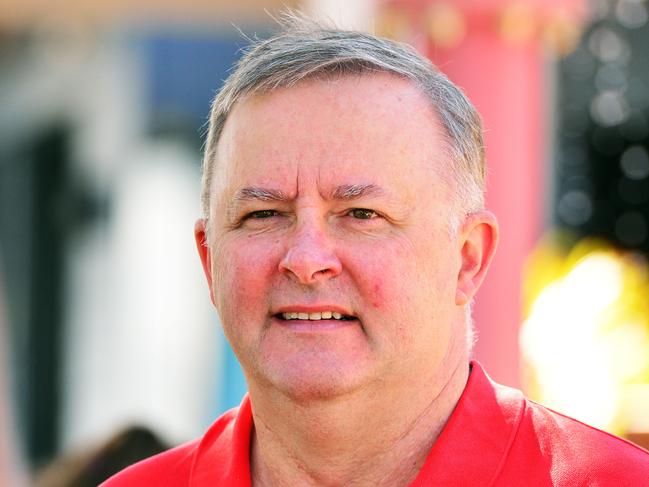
(304, 49)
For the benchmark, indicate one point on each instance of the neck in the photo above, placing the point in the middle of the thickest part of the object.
(366, 438)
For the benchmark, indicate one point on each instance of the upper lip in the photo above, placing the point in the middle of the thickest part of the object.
(300, 308)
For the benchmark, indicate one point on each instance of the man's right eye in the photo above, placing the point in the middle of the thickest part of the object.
(261, 214)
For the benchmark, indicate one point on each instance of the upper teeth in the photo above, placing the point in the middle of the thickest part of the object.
(325, 315)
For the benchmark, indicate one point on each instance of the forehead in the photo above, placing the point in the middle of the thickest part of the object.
(377, 124)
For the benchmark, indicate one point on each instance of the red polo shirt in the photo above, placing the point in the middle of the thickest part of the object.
(495, 436)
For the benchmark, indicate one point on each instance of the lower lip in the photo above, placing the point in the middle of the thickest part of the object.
(315, 326)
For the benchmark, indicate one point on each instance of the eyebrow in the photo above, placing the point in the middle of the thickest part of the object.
(256, 193)
(348, 192)
(344, 192)
(252, 193)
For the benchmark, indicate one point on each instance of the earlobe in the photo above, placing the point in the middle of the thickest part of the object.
(479, 241)
(204, 252)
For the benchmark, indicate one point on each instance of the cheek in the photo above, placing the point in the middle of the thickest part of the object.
(244, 270)
(400, 280)
(381, 273)
(378, 300)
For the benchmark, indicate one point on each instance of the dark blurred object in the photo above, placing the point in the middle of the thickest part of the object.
(91, 468)
(32, 237)
(42, 204)
(602, 169)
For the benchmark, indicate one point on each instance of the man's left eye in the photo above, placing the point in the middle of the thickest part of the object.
(363, 213)
(260, 214)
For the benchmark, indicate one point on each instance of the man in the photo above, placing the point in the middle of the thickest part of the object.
(343, 239)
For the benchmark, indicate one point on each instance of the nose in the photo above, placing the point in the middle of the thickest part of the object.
(310, 257)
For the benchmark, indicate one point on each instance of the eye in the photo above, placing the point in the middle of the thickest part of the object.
(261, 214)
(363, 214)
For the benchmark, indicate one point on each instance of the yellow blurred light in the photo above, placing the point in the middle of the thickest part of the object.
(594, 284)
(518, 22)
(628, 343)
(635, 402)
(562, 33)
(393, 23)
(586, 337)
(446, 25)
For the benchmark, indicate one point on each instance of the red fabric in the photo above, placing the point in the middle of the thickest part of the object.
(495, 437)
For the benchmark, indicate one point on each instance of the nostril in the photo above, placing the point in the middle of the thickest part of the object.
(310, 267)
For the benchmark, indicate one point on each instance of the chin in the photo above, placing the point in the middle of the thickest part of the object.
(308, 392)
(305, 383)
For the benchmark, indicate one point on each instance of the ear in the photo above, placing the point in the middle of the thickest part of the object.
(204, 252)
(479, 239)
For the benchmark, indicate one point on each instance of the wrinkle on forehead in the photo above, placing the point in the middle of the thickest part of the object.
(275, 122)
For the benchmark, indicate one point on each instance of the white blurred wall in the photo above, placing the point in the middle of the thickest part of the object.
(141, 340)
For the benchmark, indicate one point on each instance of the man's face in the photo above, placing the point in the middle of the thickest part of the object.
(333, 198)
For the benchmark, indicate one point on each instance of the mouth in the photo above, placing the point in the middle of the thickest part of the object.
(314, 316)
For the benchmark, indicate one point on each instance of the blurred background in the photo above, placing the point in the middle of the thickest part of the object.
(109, 348)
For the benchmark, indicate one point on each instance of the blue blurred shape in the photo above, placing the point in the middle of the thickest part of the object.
(184, 70)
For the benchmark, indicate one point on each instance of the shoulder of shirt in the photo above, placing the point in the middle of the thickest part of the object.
(588, 452)
(169, 468)
(576, 430)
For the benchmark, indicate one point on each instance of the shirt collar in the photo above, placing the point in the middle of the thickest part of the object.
(472, 447)
(223, 455)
